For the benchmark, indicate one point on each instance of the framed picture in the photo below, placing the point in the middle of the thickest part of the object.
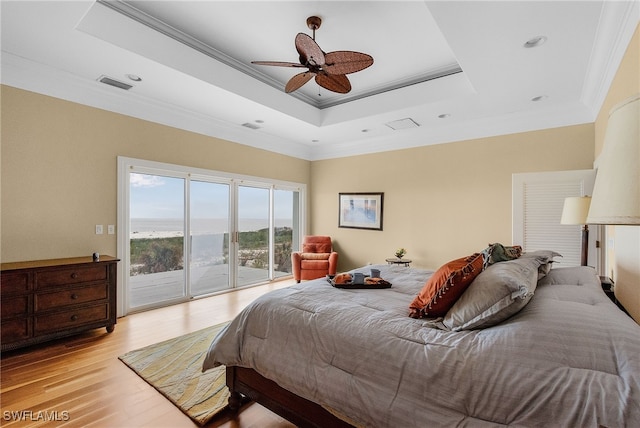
(360, 210)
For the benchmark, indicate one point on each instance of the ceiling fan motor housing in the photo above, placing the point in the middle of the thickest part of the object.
(314, 22)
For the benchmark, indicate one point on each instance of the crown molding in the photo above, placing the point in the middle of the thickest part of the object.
(618, 23)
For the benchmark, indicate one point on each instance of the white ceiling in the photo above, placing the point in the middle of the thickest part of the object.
(466, 60)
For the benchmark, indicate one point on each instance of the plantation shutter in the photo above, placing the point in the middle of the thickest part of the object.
(538, 199)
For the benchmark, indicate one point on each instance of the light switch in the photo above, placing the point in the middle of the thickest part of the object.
(111, 229)
(99, 230)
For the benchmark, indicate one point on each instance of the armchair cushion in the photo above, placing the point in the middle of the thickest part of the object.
(315, 265)
(315, 256)
(316, 247)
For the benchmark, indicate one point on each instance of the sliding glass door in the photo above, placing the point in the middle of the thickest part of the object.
(156, 241)
(209, 237)
(253, 235)
(187, 233)
(266, 220)
(286, 227)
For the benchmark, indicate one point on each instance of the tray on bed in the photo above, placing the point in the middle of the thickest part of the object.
(351, 285)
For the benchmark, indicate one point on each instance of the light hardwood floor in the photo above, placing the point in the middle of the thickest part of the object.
(81, 375)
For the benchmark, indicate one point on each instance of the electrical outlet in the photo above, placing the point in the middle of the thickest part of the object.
(99, 230)
(111, 229)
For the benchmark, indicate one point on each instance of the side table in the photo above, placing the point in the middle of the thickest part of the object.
(608, 288)
(397, 261)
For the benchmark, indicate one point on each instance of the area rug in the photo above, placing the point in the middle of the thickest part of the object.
(174, 368)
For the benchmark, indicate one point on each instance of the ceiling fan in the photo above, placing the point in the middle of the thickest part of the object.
(329, 69)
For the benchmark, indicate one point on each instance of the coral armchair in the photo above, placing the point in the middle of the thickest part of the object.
(316, 259)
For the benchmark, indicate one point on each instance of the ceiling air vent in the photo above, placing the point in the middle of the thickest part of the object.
(250, 125)
(113, 82)
(402, 124)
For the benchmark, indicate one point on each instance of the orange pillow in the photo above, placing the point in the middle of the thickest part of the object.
(445, 286)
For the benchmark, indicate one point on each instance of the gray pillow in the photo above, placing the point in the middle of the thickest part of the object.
(547, 254)
(544, 268)
(497, 293)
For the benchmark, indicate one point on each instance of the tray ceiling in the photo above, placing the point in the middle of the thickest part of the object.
(455, 70)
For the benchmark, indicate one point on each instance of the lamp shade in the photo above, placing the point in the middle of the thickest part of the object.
(575, 210)
(616, 192)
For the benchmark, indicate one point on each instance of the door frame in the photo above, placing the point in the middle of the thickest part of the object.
(127, 165)
(555, 180)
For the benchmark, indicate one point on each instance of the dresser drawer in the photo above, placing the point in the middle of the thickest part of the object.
(76, 275)
(72, 296)
(52, 322)
(11, 307)
(14, 283)
(15, 329)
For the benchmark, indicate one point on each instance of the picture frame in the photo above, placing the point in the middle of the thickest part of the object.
(360, 210)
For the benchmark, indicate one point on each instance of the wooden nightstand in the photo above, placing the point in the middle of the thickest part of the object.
(608, 288)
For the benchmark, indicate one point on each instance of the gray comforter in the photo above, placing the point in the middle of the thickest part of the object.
(570, 358)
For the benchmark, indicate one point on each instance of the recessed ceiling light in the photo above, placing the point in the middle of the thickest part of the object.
(535, 42)
(134, 77)
(444, 116)
(539, 98)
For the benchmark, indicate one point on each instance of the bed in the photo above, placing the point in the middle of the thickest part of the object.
(565, 354)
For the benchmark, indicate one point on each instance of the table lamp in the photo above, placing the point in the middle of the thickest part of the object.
(575, 211)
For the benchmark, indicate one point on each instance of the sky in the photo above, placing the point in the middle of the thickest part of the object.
(153, 196)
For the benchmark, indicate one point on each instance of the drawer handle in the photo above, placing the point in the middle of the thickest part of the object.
(74, 296)
(74, 317)
(74, 275)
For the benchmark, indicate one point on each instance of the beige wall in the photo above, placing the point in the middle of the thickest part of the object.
(58, 181)
(625, 253)
(59, 166)
(443, 201)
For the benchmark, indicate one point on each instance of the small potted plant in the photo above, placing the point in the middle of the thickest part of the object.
(400, 252)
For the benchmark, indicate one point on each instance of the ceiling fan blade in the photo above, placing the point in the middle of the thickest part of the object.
(297, 81)
(346, 62)
(310, 52)
(334, 82)
(277, 63)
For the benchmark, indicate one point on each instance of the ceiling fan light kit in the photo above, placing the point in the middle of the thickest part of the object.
(328, 69)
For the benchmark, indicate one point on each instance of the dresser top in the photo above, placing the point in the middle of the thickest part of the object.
(55, 262)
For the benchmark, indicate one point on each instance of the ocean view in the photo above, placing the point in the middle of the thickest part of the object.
(207, 246)
(162, 228)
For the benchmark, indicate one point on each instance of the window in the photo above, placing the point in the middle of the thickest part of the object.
(185, 232)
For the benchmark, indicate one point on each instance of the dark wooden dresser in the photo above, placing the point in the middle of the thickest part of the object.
(47, 299)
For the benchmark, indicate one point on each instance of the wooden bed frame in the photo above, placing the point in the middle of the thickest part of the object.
(300, 411)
